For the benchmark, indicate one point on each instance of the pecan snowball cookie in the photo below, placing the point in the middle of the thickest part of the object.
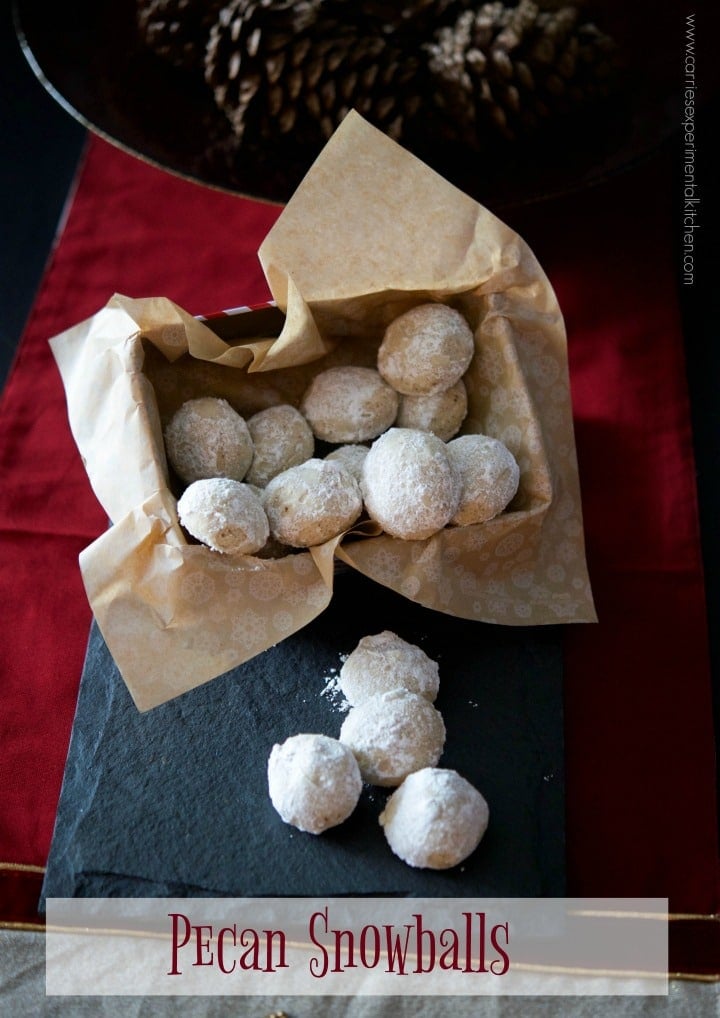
(489, 477)
(393, 734)
(224, 514)
(441, 413)
(349, 404)
(435, 819)
(314, 782)
(207, 438)
(352, 457)
(384, 662)
(426, 350)
(408, 483)
(281, 438)
(311, 503)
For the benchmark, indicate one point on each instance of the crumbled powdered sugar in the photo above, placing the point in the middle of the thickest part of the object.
(332, 691)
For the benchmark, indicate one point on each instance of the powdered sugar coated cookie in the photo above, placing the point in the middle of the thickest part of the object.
(489, 477)
(435, 819)
(351, 456)
(409, 484)
(383, 662)
(392, 735)
(426, 350)
(349, 404)
(312, 502)
(281, 438)
(206, 437)
(314, 781)
(442, 413)
(224, 514)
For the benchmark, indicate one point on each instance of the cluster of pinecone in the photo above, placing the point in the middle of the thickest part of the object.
(447, 70)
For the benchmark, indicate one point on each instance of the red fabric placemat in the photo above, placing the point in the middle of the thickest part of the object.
(640, 751)
(135, 230)
(641, 807)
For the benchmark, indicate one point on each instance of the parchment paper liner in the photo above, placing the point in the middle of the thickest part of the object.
(370, 232)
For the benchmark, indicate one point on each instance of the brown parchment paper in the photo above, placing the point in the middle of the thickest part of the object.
(370, 232)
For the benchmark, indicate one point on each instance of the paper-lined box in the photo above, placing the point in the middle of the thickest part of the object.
(370, 232)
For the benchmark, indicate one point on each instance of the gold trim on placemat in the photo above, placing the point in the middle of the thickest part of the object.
(693, 977)
(673, 917)
(21, 867)
(24, 927)
(711, 917)
(664, 916)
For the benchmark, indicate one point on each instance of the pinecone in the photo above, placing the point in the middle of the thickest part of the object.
(291, 70)
(177, 30)
(501, 71)
(418, 17)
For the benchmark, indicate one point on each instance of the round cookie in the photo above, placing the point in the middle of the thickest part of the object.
(281, 438)
(224, 514)
(311, 503)
(442, 413)
(435, 819)
(349, 404)
(272, 548)
(489, 477)
(393, 734)
(384, 662)
(409, 484)
(314, 782)
(352, 457)
(207, 438)
(426, 350)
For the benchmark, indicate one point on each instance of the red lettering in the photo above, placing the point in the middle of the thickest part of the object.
(499, 966)
(202, 946)
(422, 934)
(177, 943)
(232, 930)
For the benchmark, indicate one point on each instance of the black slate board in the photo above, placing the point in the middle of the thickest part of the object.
(174, 802)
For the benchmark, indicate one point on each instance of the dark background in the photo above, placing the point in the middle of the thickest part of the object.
(41, 145)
